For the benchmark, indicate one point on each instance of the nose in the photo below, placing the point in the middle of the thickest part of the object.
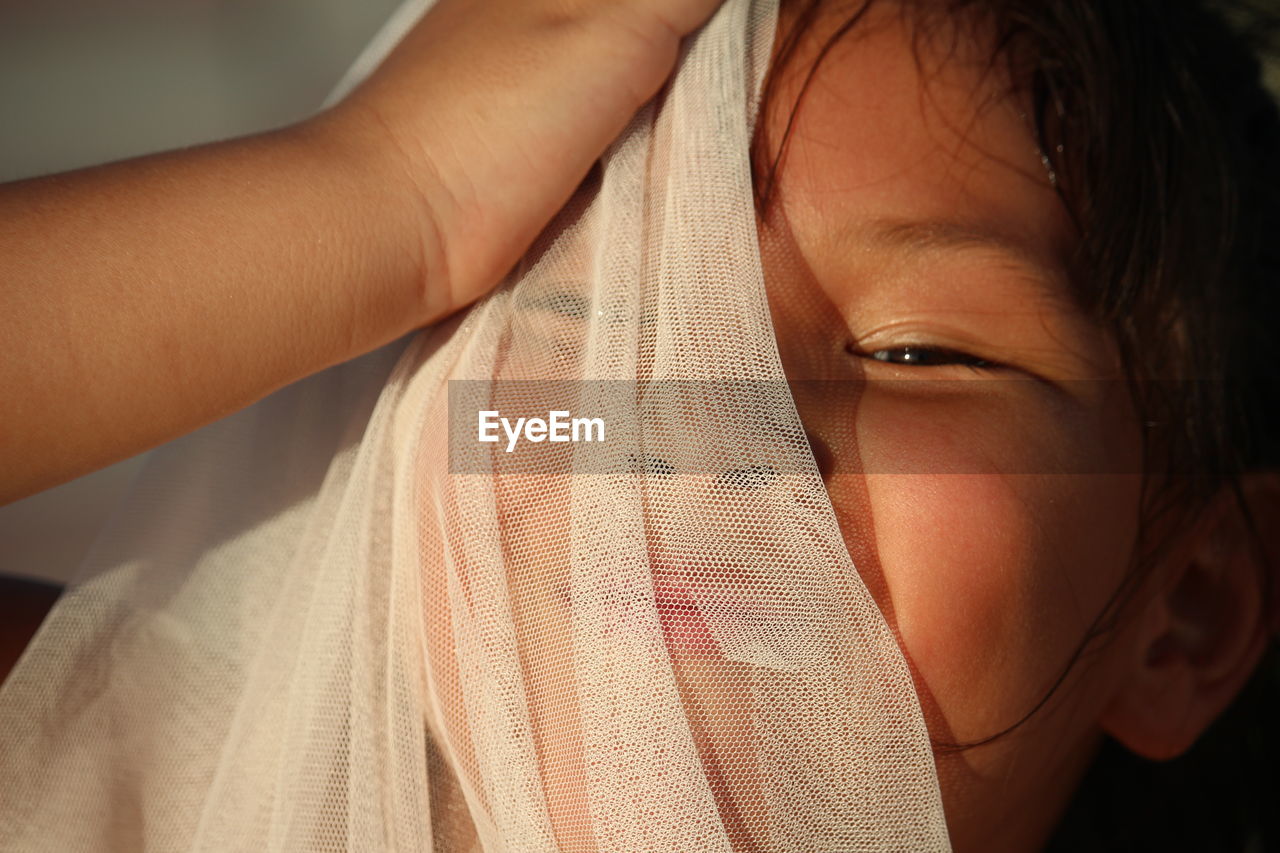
(822, 455)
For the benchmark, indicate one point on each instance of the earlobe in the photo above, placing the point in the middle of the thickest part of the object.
(1202, 631)
(1150, 713)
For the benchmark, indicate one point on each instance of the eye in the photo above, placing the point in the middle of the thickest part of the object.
(924, 356)
(564, 303)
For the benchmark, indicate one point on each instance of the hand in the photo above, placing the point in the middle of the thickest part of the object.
(140, 300)
(495, 111)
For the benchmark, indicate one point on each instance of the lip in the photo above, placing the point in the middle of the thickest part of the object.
(736, 614)
(692, 621)
(688, 624)
(726, 610)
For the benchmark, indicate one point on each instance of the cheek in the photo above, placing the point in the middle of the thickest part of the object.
(971, 581)
(993, 578)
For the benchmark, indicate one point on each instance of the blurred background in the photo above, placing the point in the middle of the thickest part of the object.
(84, 82)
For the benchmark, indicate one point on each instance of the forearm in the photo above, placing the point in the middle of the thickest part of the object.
(141, 300)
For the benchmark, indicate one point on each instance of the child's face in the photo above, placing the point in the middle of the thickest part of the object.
(915, 210)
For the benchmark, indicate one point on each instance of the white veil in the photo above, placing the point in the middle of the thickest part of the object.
(337, 621)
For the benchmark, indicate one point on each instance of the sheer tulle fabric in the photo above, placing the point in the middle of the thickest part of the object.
(321, 625)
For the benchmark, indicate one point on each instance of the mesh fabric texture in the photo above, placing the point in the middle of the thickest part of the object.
(326, 623)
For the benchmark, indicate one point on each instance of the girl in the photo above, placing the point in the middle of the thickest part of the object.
(1015, 258)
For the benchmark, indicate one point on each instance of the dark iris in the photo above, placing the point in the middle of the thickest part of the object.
(928, 357)
(565, 303)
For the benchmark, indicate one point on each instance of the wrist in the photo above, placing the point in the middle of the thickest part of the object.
(381, 218)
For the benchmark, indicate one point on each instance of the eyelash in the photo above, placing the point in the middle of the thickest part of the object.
(913, 355)
(563, 303)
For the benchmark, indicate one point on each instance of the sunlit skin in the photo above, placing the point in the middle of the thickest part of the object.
(914, 210)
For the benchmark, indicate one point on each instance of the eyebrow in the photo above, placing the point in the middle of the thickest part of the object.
(946, 234)
(930, 236)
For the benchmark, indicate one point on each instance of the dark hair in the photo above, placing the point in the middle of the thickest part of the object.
(1164, 146)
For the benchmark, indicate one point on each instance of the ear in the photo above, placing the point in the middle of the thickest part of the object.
(1200, 634)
